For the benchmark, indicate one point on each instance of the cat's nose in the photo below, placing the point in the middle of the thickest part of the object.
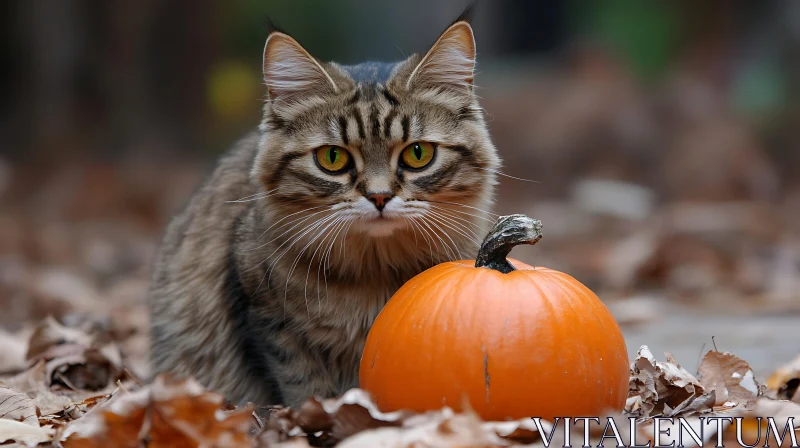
(380, 199)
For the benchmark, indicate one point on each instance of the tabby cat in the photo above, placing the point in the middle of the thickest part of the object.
(358, 178)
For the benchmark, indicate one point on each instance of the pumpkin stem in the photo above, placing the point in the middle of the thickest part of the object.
(506, 233)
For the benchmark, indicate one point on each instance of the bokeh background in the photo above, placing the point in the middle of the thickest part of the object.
(663, 139)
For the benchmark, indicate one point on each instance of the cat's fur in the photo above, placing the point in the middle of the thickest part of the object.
(267, 283)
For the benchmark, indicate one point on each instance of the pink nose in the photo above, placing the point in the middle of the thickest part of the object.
(380, 199)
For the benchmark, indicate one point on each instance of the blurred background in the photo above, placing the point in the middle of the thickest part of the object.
(664, 139)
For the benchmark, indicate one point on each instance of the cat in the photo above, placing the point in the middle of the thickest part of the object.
(357, 179)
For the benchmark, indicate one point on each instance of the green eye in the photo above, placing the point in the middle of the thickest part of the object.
(418, 155)
(333, 159)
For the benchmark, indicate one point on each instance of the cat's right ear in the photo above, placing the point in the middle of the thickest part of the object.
(290, 71)
(450, 61)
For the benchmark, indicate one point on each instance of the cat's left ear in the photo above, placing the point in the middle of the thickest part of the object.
(450, 61)
(290, 71)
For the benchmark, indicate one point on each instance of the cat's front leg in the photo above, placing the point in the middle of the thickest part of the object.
(303, 374)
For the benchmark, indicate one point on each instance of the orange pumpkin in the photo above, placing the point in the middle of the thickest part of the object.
(508, 339)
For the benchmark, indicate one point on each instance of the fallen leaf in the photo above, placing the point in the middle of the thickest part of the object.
(12, 354)
(165, 413)
(785, 381)
(311, 417)
(355, 411)
(752, 429)
(445, 430)
(49, 334)
(34, 383)
(730, 377)
(74, 358)
(677, 432)
(663, 388)
(92, 369)
(19, 432)
(17, 406)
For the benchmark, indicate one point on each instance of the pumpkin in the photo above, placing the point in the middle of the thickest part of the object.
(497, 336)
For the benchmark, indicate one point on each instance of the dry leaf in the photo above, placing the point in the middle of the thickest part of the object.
(165, 413)
(752, 429)
(35, 383)
(17, 406)
(522, 431)
(663, 388)
(49, 334)
(674, 433)
(355, 411)
(444, 430)
(331, 420)
(786, 381)
(12, 354)
(729, 376)
(92, 369)
(74, 358)
(11, 430)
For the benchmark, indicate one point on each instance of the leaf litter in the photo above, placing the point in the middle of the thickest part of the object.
(75, 391)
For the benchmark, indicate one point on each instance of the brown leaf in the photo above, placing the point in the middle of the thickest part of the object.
(311, 417)
(74, 359)
(674, 435)
(165, 413)
(35, 384)
(437, 430)
(729, 376)
(50, 334)
(92, 369)
(17, 406)
(355, 411)
(751, 429)
(19, 421)
(12, 352)
(663, 388)
(28, 435)
(519, 431)
(786, 381)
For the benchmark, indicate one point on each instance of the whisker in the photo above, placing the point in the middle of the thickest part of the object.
(320, 222)
(438, 224)
(449, 223)
(430, 248)
(311, 263)
(462, 212)
(413, 229)
(467, 206)
(283, 225)
(325, 262)
(343, 246)
(458, 219)
(507, 175)
(297, 261)
(301, 219)
(254, 197)
(433, 232)
(340, 222)
(299, 234)
(328, 262)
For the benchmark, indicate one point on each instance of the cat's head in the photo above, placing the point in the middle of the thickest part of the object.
(384, 145)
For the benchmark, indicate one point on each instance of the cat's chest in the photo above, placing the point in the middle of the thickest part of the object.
(348, 311)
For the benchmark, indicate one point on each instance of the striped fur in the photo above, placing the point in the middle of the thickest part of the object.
(267, 283)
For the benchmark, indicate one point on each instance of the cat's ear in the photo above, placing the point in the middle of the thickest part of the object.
(289, 70)
(450, 61)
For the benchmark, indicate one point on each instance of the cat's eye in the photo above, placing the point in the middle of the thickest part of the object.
(418, 155)
(333, 159)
